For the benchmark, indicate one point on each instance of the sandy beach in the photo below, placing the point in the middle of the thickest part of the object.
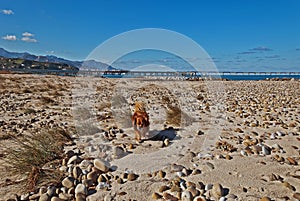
(208, 140)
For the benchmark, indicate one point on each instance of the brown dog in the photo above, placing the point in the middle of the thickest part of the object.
(140, 121)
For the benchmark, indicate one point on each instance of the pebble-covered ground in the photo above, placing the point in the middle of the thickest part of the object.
(212, 140)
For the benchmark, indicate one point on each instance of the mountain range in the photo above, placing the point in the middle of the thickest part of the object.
(89, 64)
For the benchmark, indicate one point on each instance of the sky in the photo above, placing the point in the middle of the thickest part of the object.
(239, 35)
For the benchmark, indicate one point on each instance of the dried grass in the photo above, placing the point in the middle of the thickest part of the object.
(31, 155)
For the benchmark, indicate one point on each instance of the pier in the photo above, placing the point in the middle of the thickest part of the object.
(125, 73)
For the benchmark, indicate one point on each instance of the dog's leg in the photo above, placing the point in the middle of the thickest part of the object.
(138, 136)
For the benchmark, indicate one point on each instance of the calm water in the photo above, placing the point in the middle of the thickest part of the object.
(234, 77)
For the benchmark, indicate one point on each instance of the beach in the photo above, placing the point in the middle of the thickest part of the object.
(208, 140)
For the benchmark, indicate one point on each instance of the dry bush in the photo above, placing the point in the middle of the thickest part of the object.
(31, 155)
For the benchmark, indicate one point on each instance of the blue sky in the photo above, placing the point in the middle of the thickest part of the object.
(246, 35)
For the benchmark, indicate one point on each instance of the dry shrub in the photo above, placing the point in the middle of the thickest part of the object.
(33, 153)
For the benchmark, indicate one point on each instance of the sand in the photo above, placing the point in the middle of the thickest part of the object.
(232, 132)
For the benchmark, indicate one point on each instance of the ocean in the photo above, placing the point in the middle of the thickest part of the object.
(232, 77)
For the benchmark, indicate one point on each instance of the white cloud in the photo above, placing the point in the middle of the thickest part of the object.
(7, 12)
(9, 37)
(27, 34)
(29, 40)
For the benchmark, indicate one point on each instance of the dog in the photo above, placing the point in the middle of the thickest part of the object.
(140, 121)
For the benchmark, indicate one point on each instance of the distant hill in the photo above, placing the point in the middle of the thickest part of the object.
(89, 64)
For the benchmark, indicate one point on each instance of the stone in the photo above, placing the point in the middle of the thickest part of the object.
(56, 199)
(80, 197)
(93, 176)
(193, 191)
(102, 165)
(132, 176)
(156, 196)
(291, 161)
(51, 191)
(68, 182)
(217, 191)
(161, 174)
(186, 196)
(44, 197)
(265, 199)
(199, 198)
(74, 160)
(163, 188)
(297, 196)
(65, 196)
(77, 172)
(168, 196)
(81, 189)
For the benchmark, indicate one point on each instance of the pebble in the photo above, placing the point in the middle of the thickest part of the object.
(102, 165)
(81, 189)
(56, 199)
(265, 199)
(156, 196)
(132, 176)
(199, 198)
(44, 197)
(297, 196)
(68, 182)
(163, 188)
(166, 142)
(265, 150)
(77, 172)
(93, 176)
(217, 190)
(80, 197)
(186, 196)
(73, 160)
(291, 161)
(168, 196)
(161, 174)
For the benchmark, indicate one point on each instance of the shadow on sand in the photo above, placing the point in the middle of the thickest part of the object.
(161, 135)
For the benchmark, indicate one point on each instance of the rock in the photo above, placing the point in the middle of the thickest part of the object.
(102, 165)
(199, 198)
(217, 191)
(289, 186)
(56, 199)
(196, 171)
(193, 191)
(291, 161)
(208, 187)
(93, 176)
(24, 196)
(168, 196)
(156, 196)
(68, 182)
(265, 199)
(51, 191)
(84, 165)
(166, 142)
(34, 196)
(80, 197)
(161, 174)
(44, 197)
(80, 189)
(74, 160)
(265, 150)
(65, 196)
(297, 196)
(77, 172)
(163, 188)
(132, 176)
(186, 196)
